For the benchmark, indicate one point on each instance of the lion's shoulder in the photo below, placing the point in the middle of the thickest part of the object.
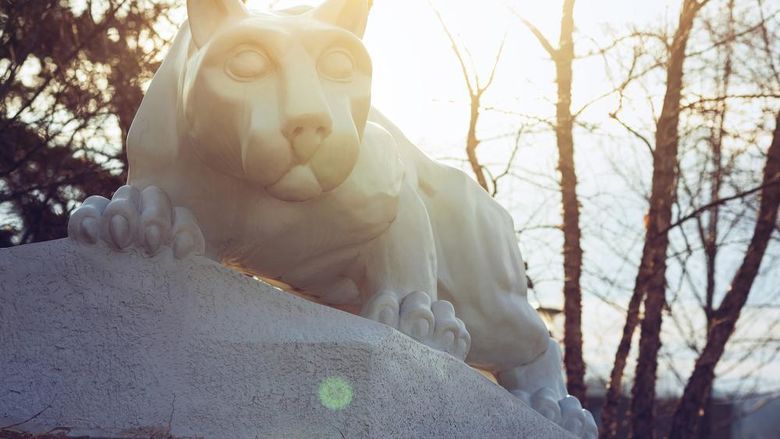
(379, 171)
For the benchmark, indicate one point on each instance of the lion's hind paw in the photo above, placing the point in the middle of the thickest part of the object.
(567, 412)
(134, 217)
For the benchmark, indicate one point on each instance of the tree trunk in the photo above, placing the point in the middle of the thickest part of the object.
(725, 318)
(652, 276)
(609, 415)
(650, 282)
(572, 252)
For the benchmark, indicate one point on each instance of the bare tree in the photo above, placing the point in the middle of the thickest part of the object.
(708, 230)
(476, 89)
(650, 284)
(652, 271)
(563, 56)
(726, 316)
(691, 416)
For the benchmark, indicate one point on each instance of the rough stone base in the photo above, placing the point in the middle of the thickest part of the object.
(119, 345)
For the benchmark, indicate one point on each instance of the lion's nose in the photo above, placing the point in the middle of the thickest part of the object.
(306, 133)
(305, 111)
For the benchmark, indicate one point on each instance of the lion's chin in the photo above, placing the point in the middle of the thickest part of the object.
(298, 184)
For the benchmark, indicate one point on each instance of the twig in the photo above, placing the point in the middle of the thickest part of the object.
(720, 201)
(170, 417)
(636, 133)
(48, 406)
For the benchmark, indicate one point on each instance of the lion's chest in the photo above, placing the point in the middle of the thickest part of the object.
(245, 227)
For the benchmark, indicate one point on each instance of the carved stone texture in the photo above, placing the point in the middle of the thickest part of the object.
(112, 344)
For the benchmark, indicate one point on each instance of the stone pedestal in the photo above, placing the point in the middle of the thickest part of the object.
(117, 344)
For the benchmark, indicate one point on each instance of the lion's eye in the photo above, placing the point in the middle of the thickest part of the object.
(248, 64)
(337, 65)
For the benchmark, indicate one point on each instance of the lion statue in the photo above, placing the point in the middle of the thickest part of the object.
(256, 145)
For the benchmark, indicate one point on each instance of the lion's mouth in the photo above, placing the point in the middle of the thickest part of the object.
(317, 167)
(298, 184)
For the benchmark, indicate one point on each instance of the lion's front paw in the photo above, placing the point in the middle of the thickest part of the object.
(142, 218)
(433, 324)
(567, 412)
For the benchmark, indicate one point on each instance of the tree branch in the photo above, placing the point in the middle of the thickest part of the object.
(720, 201)
(636, 133)
(481, 88)
(552, 51)
(455, 49)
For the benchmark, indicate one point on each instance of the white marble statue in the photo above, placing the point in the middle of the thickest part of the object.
(256, 144)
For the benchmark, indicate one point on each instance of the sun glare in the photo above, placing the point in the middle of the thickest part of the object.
(335, 393)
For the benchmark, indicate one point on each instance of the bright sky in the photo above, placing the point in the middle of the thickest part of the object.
(418, 84)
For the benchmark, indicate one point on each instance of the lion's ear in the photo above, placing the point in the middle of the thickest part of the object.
(205, 16)
(349, 14)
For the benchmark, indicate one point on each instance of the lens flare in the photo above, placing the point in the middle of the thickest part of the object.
(335, 393)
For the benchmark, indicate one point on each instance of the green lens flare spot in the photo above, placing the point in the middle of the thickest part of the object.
(335, 393)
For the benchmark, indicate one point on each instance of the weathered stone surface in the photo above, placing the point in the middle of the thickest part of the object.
(117, 344)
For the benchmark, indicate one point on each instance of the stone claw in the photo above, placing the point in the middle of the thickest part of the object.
(188, 239)
(545, 402)
(84, 223)
(416, 317)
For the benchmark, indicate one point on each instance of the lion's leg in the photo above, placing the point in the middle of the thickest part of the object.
(535, 376)
(400, 272)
